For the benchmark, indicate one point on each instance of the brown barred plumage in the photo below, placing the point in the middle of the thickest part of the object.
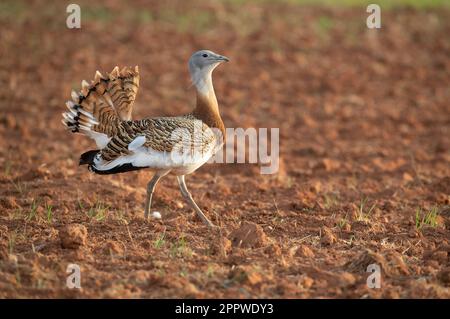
(161, 134)
(103, 104)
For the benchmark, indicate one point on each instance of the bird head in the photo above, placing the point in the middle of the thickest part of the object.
(205, 60)
(201, 65)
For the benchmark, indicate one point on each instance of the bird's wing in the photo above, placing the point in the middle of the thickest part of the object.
(163, 134)
(99, 107)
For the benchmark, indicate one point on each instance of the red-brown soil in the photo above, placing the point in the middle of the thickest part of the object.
(364, 118)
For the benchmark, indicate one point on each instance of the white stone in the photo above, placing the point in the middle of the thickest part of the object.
(156, 215)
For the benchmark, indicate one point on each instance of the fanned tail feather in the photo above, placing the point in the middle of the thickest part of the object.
(100, 106)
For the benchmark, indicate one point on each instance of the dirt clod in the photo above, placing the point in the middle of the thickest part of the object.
(444, 276)
(273, 250)
(221, 246)
(306, 282)
(329, 164)
(244, 274)
(304, 251)
(8, 202)
(73, 236)
(113, 247)
(347, 279)
(3, 252)
(248, 235)
(328, 237)
(390, 262)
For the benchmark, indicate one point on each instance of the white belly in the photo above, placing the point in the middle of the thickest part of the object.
(178, 163)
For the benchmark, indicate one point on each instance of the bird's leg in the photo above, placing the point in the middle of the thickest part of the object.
(150, 188)
(191, 201)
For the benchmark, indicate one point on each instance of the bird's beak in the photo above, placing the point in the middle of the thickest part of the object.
(222, 58)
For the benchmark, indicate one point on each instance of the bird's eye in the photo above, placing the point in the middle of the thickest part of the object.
(204, 55)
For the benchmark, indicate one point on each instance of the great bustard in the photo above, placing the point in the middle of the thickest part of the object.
(102, 111)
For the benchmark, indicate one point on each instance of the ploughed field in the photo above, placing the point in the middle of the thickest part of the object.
(364, 174)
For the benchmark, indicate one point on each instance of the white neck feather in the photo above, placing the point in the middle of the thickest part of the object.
(202, 79)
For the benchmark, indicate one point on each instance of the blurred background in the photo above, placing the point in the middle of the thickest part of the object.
(364, 118)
